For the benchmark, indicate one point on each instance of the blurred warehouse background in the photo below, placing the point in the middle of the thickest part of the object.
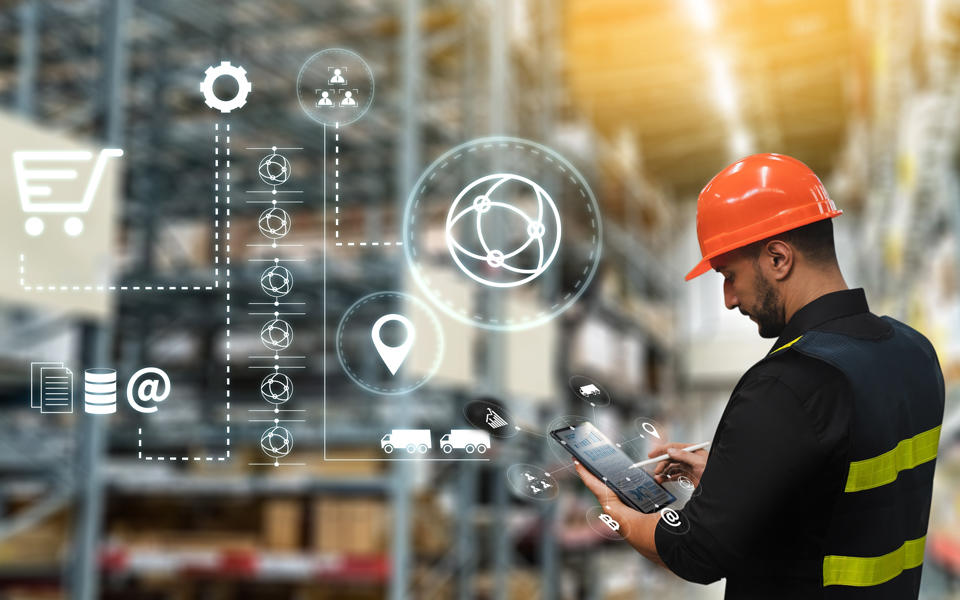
(648, 99)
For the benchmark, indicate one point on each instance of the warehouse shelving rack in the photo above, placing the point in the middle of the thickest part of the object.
(139, 92)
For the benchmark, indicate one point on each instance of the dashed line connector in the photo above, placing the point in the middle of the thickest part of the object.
(225, 69)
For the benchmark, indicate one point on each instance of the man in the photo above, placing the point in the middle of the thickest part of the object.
(819, 477)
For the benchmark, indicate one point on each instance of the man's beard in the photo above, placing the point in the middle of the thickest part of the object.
(769, 310)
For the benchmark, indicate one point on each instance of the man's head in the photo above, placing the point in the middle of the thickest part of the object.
(764, 222)
(764, 279)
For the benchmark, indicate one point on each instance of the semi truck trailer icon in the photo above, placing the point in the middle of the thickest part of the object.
(413, 440)
(471, 440)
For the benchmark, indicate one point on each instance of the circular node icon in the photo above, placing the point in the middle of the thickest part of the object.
(605, 525)
(473, 226)
(507, 210)
(531, 481)
(276, 281)
(276, 335)
(491, 416)
(276, 388)
(678, 480)
(389, 343)
(588, 390)
(274, 223)
(276, 442)
(335, 87)
(274, 169)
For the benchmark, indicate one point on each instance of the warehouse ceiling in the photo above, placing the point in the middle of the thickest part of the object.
(701, 83)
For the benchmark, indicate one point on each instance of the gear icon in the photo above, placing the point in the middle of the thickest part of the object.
(225, 70)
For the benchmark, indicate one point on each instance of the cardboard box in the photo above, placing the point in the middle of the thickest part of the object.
(282, 524)
(42, 544)
(431, 527)
(350, 525)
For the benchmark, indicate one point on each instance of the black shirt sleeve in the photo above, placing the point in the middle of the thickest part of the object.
(767, 453)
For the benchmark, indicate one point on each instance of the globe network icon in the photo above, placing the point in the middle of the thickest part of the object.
(504, 205)
(276, 281)
(276, 442)
(276, 388)
(274, 169)
(274, 223)
(276, 335)
(503, 230)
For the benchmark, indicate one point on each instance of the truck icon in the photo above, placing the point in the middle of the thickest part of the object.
(465, 439)
(414, 440)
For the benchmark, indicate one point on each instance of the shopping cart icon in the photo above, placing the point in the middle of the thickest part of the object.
(37, 172)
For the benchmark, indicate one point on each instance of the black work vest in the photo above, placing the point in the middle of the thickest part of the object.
(878, 525)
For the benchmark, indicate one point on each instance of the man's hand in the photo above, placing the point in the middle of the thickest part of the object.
(636, 527)
(691, 463)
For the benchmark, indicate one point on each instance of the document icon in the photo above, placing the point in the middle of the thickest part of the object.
(51, 387)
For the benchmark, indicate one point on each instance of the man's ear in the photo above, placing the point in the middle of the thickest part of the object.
(778, 258)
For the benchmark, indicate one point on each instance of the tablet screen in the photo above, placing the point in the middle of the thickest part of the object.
(601, 456)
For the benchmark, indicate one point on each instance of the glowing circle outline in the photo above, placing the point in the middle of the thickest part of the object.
(338, 340)
(585, 191)
(362, 110)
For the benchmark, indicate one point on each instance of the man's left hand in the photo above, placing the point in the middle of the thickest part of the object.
(635, 527)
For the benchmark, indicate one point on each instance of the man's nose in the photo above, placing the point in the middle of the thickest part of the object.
(729, 298)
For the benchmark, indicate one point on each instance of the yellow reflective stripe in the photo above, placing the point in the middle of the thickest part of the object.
(787, 345)
(863, 571)
(881, 470)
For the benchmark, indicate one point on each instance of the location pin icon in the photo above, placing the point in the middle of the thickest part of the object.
(649, 428)
(393, 356)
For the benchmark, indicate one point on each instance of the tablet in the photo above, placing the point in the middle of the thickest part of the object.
(635, 487)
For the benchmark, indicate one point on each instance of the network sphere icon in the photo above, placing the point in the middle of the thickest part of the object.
(274, 223)
(276, 388)
(276, 442)
(503, 230)
(274, 169)
(277, 281)
(276, 334)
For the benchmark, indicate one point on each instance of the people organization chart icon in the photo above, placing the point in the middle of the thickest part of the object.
(520, 223)
(335, 87)
(474, 241)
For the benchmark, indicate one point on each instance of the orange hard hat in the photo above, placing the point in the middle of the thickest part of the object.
(756, 197)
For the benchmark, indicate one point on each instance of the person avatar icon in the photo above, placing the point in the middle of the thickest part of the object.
(325, 99)
(338, 77)
(348, 99)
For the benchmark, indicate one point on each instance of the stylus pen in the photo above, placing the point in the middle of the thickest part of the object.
(657, 459)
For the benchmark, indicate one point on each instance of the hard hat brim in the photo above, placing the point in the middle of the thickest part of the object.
(704, 265)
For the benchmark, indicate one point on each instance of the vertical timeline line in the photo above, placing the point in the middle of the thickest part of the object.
(323, 364)
(227, 285)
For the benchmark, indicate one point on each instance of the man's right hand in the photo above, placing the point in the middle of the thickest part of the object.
(691, 463)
